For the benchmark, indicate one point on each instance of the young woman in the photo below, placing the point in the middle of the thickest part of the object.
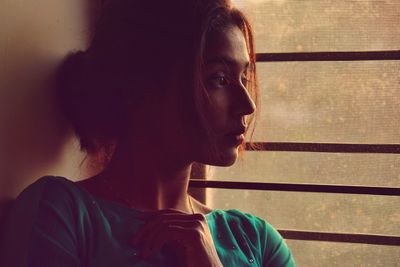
(163, 84)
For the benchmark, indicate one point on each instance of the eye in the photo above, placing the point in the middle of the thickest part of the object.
(244, 79)
(218, 80)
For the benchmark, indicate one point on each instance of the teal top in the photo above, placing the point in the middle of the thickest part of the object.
(55, 223)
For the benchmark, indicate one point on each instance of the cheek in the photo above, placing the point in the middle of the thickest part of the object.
(218, 110)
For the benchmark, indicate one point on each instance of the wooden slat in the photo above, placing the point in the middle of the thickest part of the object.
(341, 237)
(310, 188)
(325, 147)
(329, 56)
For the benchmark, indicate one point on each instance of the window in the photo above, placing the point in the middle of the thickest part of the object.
(330, 87)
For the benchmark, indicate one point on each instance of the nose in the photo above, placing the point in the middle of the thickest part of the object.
(243, 104)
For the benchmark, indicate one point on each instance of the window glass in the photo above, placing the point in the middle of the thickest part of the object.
(312, 167)
(343, 102)
(323, 25)
(342, 213)
(328, 254)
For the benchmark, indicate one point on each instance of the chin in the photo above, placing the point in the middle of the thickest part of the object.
(225, 158)
(224, 154)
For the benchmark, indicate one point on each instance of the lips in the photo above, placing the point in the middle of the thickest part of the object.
(238, 131)
(237, 136)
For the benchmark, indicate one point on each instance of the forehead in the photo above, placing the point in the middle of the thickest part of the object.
(227, 45)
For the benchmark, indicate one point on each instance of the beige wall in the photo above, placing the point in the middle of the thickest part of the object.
(34, 140)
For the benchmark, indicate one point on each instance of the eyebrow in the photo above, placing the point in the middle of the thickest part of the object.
(226, 61)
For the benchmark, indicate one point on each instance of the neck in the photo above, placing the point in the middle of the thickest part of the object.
(146, 181)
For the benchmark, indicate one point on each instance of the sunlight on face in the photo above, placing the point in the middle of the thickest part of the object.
(225, 77)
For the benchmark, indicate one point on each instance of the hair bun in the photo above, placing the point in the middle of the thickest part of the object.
(73, 93)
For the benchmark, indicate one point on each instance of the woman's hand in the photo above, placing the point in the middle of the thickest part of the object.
(189, 232)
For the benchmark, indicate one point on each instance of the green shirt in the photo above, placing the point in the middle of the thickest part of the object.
(55, 223)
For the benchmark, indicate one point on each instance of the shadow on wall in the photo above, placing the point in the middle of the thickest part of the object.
(34, 138)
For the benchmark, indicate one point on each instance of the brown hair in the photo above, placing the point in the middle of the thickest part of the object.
(133, 44)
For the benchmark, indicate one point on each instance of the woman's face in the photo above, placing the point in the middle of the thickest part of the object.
(225, 78)
(158, 121)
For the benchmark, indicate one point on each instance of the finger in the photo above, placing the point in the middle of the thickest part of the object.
(147, 242)
(172, 218)
(146, 229)
(178, 216)
(189, 231)
(141, 233)
(156, 239)
(164, 211)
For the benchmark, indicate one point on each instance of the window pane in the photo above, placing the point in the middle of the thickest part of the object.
(344, 102)
(328, 254)
(315, 211)
(324, 25)
(312, 167)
